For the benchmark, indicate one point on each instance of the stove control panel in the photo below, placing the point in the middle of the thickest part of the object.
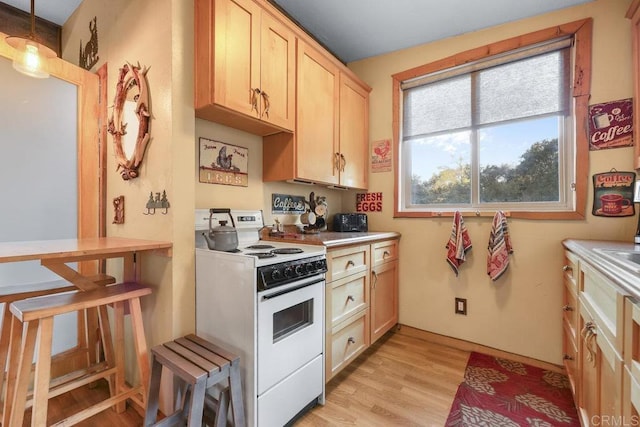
(271, 276)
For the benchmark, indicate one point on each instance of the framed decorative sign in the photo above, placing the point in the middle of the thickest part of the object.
(287, 204)
(381, 156)
(222, 163)
(614, 193)
(611, 125)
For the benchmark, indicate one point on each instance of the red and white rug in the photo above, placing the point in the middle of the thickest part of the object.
(499, 392)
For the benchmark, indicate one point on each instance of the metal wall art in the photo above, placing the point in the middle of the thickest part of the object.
(89, 54)
(611, 124)
(159, 202)
(130, 108)
(222, 163)
(613, 193)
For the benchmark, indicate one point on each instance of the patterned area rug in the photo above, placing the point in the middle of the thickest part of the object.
(499, 392)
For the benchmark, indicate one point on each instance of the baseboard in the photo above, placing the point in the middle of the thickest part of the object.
(470, 346)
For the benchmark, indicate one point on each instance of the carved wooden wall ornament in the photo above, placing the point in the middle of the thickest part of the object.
(131, 103)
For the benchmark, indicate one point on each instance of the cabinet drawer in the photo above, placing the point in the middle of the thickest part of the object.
(384, 252)
(571, 271)
(570, 356)
(344, 262)
(348, 340)
(632, 338)
(570, 308)
(348, 296)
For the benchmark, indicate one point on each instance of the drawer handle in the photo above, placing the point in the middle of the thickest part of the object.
(350, 263)
(567, 308)
(375, 278)
(386, 254)
(351, 340)
(567, 268)
(567, 357)
(350, 298)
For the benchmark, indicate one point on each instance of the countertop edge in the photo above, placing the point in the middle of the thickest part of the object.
(334, 239)
(628, 282)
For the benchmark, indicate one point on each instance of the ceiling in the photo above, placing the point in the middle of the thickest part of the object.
(358, 29)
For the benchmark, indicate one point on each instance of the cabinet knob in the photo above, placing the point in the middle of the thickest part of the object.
(567, 268)
(350, 264)
(336, 161)
(350, 298)
(375, 278)
(567, 357)
(343, 162)
(351, 340)
(385, 254)
(567, 307)
(254, 99)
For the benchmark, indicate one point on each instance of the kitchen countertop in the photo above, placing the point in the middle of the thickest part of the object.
(332, 239)
(627, 279)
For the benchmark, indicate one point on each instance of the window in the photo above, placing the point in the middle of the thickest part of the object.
(497, 132)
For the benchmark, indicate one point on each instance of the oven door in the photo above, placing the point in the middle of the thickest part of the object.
(290, 329)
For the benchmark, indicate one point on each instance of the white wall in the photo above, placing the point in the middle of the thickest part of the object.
(38, 175)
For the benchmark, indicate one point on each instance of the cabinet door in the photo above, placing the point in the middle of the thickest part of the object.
(384, 298)
(317, 115)
(354, 134)
(237, 55)
(277, 73)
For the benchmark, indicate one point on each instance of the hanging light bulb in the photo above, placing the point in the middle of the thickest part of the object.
(31, 58)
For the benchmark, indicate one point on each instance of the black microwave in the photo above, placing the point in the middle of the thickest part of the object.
(343, 222)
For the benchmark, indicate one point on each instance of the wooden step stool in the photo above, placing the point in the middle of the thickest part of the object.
(201, 365)
(36, 314)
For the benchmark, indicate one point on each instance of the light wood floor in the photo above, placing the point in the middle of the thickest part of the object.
(398, 381)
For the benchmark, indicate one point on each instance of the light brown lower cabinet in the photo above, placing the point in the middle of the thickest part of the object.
(361, 300)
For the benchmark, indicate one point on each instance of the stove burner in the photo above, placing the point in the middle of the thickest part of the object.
(286, 251)
(260, 247)
(262, 255)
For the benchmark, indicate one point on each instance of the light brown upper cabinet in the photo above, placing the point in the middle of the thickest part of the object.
(244, 67)
(330, 144)
(354, 133)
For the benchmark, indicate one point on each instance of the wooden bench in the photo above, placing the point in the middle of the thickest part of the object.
(200, 365)
(36, 315)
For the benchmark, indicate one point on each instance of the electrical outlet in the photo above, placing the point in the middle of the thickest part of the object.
(461, 306)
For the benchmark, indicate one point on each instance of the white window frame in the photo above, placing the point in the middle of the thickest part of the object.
(575, 153)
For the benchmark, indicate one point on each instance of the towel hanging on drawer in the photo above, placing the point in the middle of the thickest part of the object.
(499, 247)
(459, 243)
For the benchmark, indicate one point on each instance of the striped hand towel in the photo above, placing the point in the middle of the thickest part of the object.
(499, 247)
(459, 243)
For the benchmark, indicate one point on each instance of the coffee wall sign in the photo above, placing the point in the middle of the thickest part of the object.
(287, 204)
(613, 194)
(611, 125)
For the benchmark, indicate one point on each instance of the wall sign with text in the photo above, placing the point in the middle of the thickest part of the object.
(613, 193)
(369, 202)
(611, 125)
(222, 163)
(287, 204)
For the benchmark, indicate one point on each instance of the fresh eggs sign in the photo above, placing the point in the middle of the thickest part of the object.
(369, 202)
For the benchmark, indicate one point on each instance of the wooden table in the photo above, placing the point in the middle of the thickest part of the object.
(56, 254)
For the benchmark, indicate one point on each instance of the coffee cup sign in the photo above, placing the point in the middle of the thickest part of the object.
(611, 124)
(613, 194)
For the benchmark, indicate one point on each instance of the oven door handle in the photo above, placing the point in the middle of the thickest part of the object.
(295, 288)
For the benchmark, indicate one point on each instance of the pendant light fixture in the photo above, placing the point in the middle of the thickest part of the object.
(32, 57)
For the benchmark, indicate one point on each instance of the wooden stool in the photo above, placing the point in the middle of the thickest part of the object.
(10, 294)
(37, 315)
(201, 365)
